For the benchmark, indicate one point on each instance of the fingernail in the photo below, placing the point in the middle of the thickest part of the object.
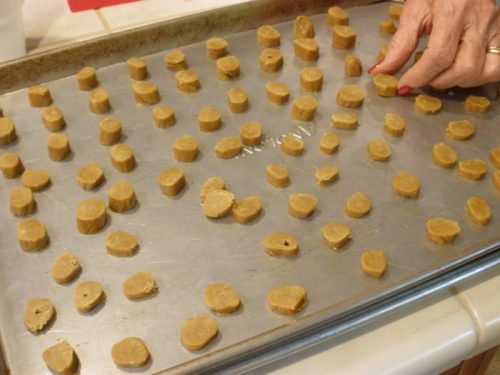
(405, 90)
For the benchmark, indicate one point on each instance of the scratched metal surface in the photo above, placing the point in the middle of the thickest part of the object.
(185, 251)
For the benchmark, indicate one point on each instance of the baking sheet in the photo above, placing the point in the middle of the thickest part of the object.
(185, 251)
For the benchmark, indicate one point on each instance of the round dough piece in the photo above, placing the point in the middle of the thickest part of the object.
(251, 133)
(268, 36)
(329, 143)
(345, 120)
(281, 244)
(130, 352)
(277, 175)
(385, 84)
(387, 27)
(185, 148)
(139, 285)
(90, 216)
(344, 37)
(337, 16)
(99, 101)
(164, 116)
(35, 179)
(247, 209)
(460, 130)
(121, 196)
(326, 175)
(287, 300)
(228, 68)
(379, 150)
(373, 262)
(352, 66)
(237, 99)
(216, 48)
(394, 124)
(122, 158)
(58, 146)
(212, 183)
(358, 205)
(121, 244)
(418, 55)
(478, 210)
(382, 52)
(228, 147)
(306, 49)
(477, 104)
(12, 166)
(39, 96)
(88, 294)
(291, 145)
(198, 331)
(406, 185)
(304, 108)
(473, 169)
(87, 79)
(175, 60)
(110, 131)
(137, 68)
(171, 181)
(145, 92)
(222, 298)
(301, 205)
(7, 131)
(395, 11)
(303, 27)
(428, 104)
(444, 156)
(311, 79)
(277, 92)
(32, 235)
(494, 157)
(218, 203)
(53, 119)
(350, 96)
(66, 268)
(38, 313)
(187, 81)
(209, 119)
(271, 60)
(90, 176)
(496, 179)
(61, 358)
(336, 234)
(441, 230)
(22, 202)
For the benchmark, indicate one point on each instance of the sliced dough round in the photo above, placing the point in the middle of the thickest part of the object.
(395, 11)
(287, 300)
(277, 175)
(337, 16)
(58, 146)
(301, 205)
(216, 47)
(145, 92)
(358, 205)
(185, 148)
(61, 358)
(441, 230)
(478, 210)
(121, 196)
(90, 216)
(171, 181)
(87, 78)
(247, 209)
(352, 66)
(387, 27)
(228, 147)
(212, 183)
(90, 176)
(351, 96)
(121, 244)
(326, 175)
(38, 313)
(473, 169)
(198, 331)
(306, 49)
(32, 235)
(99, 101)
(164, 116)
(187, 81)
(428, 104)
(221, 298)
(444, 156)
(303, 27)
(343, 37)
(7, 131)
(291, 145)
(66, 268)
(495, 157)
(460, 130)
(251, 133)
(22, 202)
(329, 143)
(311, 79)
(271, 60)
(218, 203)
(281, 244)
(140, 285)
(496, 179)
(53, 119)
(304, 108)
(345, 120)
(385, 84)
(228, 68)
(237, 99)
(122, 158)
(130, 352)
(268, 36)
(394, 124)
(382, 52)
(373, 262)
(35, 179)
(406, 185)
(277, 92)
(336, 234)
(379, 150)
(11, 165)
(137, 68)
(88, 294)
(110, 131)
(477, 104)
(39, 96)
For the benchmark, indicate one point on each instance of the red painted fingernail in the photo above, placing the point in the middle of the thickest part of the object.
(405, 90)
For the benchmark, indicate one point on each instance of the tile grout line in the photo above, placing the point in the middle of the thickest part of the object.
(465, 303)
(103, 21)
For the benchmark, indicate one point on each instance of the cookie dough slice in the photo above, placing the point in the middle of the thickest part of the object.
(494, 157)
(145, 93)
(496, 179)
(268, 36)
(209, 119)
(478, 210)
(137, 68)
(337, 16)
(277, 92)
(406, 185)
(352, 66)
(121, 196)
(39, 96)
(187, 81)
(311, 79)
(32, 235)
(394, 124)
(121, 244)
(306, 49)
(395, 11)
(301, 205)
(373, 262)
(110, 131)
(379, 150)
(66, 268)
(216, 48)
(444, 156)
(35, 179)
(281, 244)
(460, 130)
(304, 108)
(212, 183)
(441, 230)
(38, 313)
(58, 146)
(198, 331)
(140, 285)
(237, 100)
(87, 79)
(221, 298)
(130, 352)
(385, 84)
(329, 143)
(22, 202)
(287, 300)
(175, 60)
(61, 358)
(326, 175)
(228, 68)
(88, 295)
(271, 60)
(171, 181)
(11, 165)
(350, 96)
(247, 209)
(90, 176)
(303, 27)
(344, 37)
(99, 101)
(358, 205)
(428, 104)
(90, 216)
(473, 169)
(251, 133)
(228, 147)
(387, 27)
(218, 203)
(477, 104)
(7, 131)
(53, 119)
(336, 234)
(122, 158)
(277, 175)
(345, 120)
(185, 148)
(164, 116)
(382, 52)
(292, 145)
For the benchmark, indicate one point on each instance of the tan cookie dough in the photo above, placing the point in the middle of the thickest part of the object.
(61, 358)
(277, 175)
(212, 183)
(301, 205)
(344, 37)
(90, 176)
(303, 27)
(228, 68)
(345, 120)
(58, 146)
(145, 93)
(87, 79)
(121, 196)
(387, 27)
(121, 244)
(352, 66)
(311, 79)
(444, 156)
(281, 244)
(326, 175)
(337, 16)
(473, 169)
(222, 298)
(304, 108)
(406, 185)
(137, 68)
(494, 157)
(32, 235)
(460, 130)
(477, 104)
(66, 268)
(38, 313)
(110, 131)
(99, 101)
(336, 234)
(185, 148)
(11, 165)
(394, 124)
(478, 210)
(88, 295)
(187, 81)
(428, 104)
(7, 131)
(22, 202)
(35, 179)
(379, 150)
(216, 48)
(247, 209)
(277, 92)
(218, 203)
(139, 285)
(130, 352)
(171, 181)
(163, 116)
(175, 60)
(53, 119)
(237, 100)
(329, 143)
(350, 96)
(251, 133)
(496, 179)
(292, 145)
(373, 262)
(382, 52)
(1, 112)
(287, 300)
(306, 49)
(122, 158)
(228, 147)
(268, 36)
(358, 205)
(385, 84)
(209, 119)
(271, 60)
(441, 230)
(90, 216)
(39, 96)
(198, 331)
(395, 11)
(418, 55)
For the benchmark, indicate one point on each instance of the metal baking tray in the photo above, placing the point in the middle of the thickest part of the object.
(186, 251)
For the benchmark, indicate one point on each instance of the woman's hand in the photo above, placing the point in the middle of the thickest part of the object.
(460, 33)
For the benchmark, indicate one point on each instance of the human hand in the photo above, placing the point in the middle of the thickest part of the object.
(460, 33)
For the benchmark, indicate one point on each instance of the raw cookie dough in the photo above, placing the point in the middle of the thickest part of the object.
(185, 148)
(175, 60)
(441, 230)
(58, 146)
(90, 216)
(137, 68)
(222, 298)
(145, 92)
(277, 92)
(87, 79)
(406, 185)
(110, 131)
(122, 158)
(358, 205)
(121, 244)
(311, 79)
(61, 358)
(22, 202)
(382, 52)
(343, 37)
(139, 285)
(268, 36)
(394, 124)
(53, 119)
(387, 27)
(460, 130)
(90, 176)
(301, 205)
(171, 181)
(38, 313)
(212, 183)
(247, 209)
(385, 84)
(345, 120)
(291, 145)
(336, 234)
(496, 179)
(287, 300)
(218, 203)
(121, 196)
(12, 166)
(373, 262)
(428, 104)
(304, 108)
(379, 150)
(7, 131)
(187, 81)
(99, 101)
(271, 60)
(337, 16)
(251, 133)
(209, 119)
(477, 104)
(326, 175)
(478, 210)
(277, 175)
(39, 96)
(237, 100)
(494, 157)
(228, 68)
(32, 235)
(395, 11)
(303, 27)
(35, 179)
(163, 116)
(88, 294)
(306, 49)
(329, 143)
(350, 96)
(473, 169)
(418, 55)
(131, 352)
(198, 331)
(228, 147)
(66, 268)
(352, 66)
(444, 156)
(216, 47)
(281, 244)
